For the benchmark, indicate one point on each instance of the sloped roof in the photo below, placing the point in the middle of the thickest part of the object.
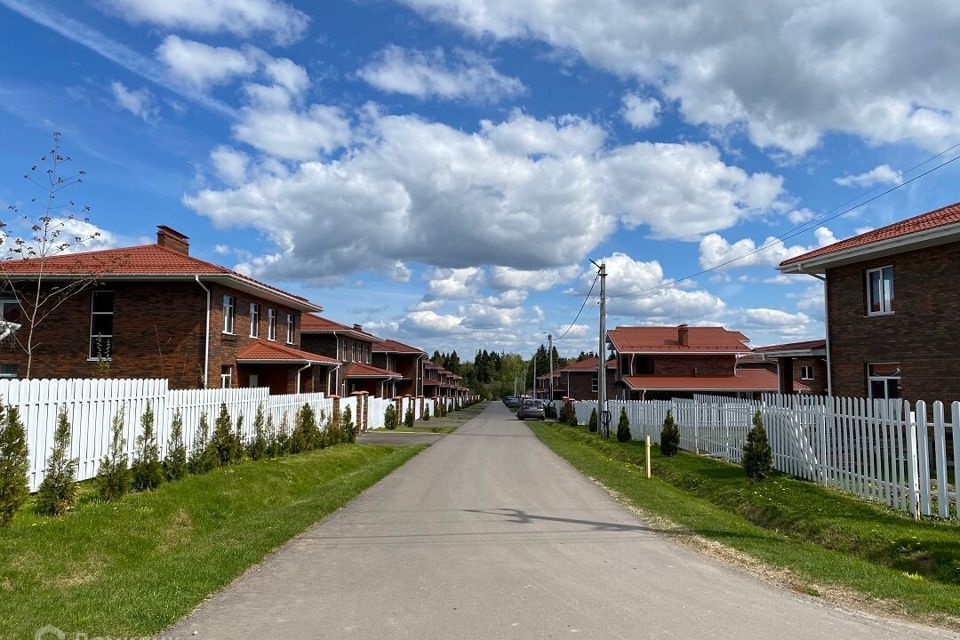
(744, 380)
(266, 352)
(943, 217)
(589, 364)
(666, 340)
(312, 323)
(360, 370)
(808, 345)
(144, 262)
(394, 346)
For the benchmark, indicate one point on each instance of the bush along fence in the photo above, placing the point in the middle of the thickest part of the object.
(906, 457)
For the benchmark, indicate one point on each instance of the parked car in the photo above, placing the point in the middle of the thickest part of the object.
(511, 401)
(531, 409)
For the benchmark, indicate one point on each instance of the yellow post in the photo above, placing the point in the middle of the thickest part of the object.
(648, 457)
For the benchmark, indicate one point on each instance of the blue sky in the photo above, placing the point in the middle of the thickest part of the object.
(440, 170)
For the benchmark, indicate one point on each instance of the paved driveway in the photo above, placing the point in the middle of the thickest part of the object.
(488, 534)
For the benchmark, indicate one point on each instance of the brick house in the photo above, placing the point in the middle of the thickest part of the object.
(673, 362)
(154, 311)
(881, 346)
(438, 382)
(578, 380)
(797, 363)
(352, 348)
(404, 360)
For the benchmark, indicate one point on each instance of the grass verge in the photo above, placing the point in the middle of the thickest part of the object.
(822, 542)
(135, 566)
(417, 430)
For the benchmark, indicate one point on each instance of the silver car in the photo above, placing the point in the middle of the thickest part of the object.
(532, 410)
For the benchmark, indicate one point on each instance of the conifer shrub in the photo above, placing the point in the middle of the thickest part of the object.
(669, 436)
(14, 464)
(426, 412)
(592, 423)
(257, 449)
(348, 431)
(283, 437)
(757, 456)
(147, 469)
(550, 411)
(222, 442)
(623, 427)
(568, 414)
(390, 417)
(175, 462)
(237, 449)
(306, 434)
(203, 454)
(58, 491)
(113, 477)
(408, 418)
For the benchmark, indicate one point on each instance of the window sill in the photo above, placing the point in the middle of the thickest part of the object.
(99, 359)
(880, 314)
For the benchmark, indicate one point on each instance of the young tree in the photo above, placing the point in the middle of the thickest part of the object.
(592, 423)
(14, 463)
(306, 433)
(347, 429)
(408, 418)
(283, 436)
(757, 456)
(623, 427)
(175, 464)
(113, 478)
(147, 469)
(426, 412)
(223, 442)
(258, 446)
(203, 456)
(669, 436)
(237, 449)
(52, 229)
(58, 491)
(390, 417)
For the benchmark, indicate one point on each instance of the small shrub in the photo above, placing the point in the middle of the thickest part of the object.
(426, 412)
(223, 439)
(203, 454)
(592, 423)
(58, 491)
(550, 411)
(390, 417)
(147, 469)
(306, 434)
(347, 428)
(236, 451)
(669, 436)
(175, 464)
(257, 449)
(623, 427)
(14, 464)
(283, 437)
(408, 418)
(113, 478)
(757, 457)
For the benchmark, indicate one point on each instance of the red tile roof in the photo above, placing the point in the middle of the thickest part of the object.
(666, 340)
(744, 380)
(942, 217)
(139, 262)
(360, 370)
(264, 352)
(589, 364)
(794, 346)
(312, 323)
(393, 346)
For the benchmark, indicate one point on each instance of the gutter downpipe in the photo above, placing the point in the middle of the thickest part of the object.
(206, 340)
(301, 370)
(336, 369)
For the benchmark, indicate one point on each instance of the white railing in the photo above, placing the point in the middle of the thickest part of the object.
(885, 451)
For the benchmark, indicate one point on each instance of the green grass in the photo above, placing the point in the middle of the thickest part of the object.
(823, 538)
(134, 566)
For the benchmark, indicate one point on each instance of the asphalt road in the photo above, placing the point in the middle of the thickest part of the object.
(488, 534)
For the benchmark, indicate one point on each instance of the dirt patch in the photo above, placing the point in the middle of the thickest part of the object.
(87, 571)
(176, 532)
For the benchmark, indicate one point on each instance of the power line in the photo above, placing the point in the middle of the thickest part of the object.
(582, 306)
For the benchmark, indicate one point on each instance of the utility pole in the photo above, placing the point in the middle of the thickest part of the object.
(534, 375)
(550, 341)
(602, 412)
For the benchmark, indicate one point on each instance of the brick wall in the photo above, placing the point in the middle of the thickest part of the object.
(921, 334)
(818, 386)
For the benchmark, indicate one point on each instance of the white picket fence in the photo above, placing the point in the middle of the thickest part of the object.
(92, 404)
(377, 407)
(884, 451)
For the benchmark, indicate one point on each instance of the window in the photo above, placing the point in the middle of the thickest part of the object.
(290, 326)
(8, 371)
(271, 324)
(229, 308)
(806, 372)
(883, 380)
(101, 325)
(594, 384)
(10, 310)
(254, 320)
(880, 291)
(226, 376)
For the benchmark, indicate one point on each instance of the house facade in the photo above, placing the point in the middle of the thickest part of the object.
(578, 380)
(154, 311)
(403, 360)
(352, 348)
(890, 308)
(797, 363)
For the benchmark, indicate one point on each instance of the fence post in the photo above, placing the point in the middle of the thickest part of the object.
(913, 465)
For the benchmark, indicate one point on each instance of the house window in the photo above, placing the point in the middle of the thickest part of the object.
(254, 320)
(229, 309)
(8, 371)
(226, 376)
(594, 384)
(806, 372)
(101, 325)
(10, 310)
(883, 380)
(290, 326)
(880, 291)
(271, 324)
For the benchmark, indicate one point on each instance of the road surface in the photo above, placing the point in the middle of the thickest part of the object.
(488, 534)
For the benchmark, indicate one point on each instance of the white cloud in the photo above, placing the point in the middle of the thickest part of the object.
(400, 272)
(293, 134)
(824, 236)
(786, 76)
(230, 164)
(799, 216)
(537, 280)
(715, 250)
(427, 74)
(285, 23)
(139, 102)
(881, 174)
(455, 283)
(783, 323)
(640, 112)
(508, 299)
(426, 323)
(202, 66)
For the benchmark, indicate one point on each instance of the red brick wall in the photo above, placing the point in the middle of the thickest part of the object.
(818, 386)
(921, 334)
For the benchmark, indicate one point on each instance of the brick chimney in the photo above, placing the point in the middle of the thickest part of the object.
(173, 240)
(357, 327)
(683, 334)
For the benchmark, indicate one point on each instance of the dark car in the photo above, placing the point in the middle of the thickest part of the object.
(511, 401)
(532, 410)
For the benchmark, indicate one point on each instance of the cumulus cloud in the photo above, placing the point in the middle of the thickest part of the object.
(230, 164)
(455, 283)
(640, 112)
(537, 280)
(139, 102)
(201, 65)
(786, 76)
(783, 323)
(716, 251)
(431, 74)
(285, 23)
(881, 174)
(429, 323)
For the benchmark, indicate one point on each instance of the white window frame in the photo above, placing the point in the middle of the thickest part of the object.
(886, 297)
(91, 354)
(226, 379)
(805, 370)
(229, 313)
(595, 382)
(272, 325)
(254, 320)
(291, 328)
(880, 378)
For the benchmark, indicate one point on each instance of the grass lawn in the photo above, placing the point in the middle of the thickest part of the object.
(829, 544)
(135, 566)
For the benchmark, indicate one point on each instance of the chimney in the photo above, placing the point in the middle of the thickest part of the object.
(357, 327)
(683, 335)
(173, 240)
